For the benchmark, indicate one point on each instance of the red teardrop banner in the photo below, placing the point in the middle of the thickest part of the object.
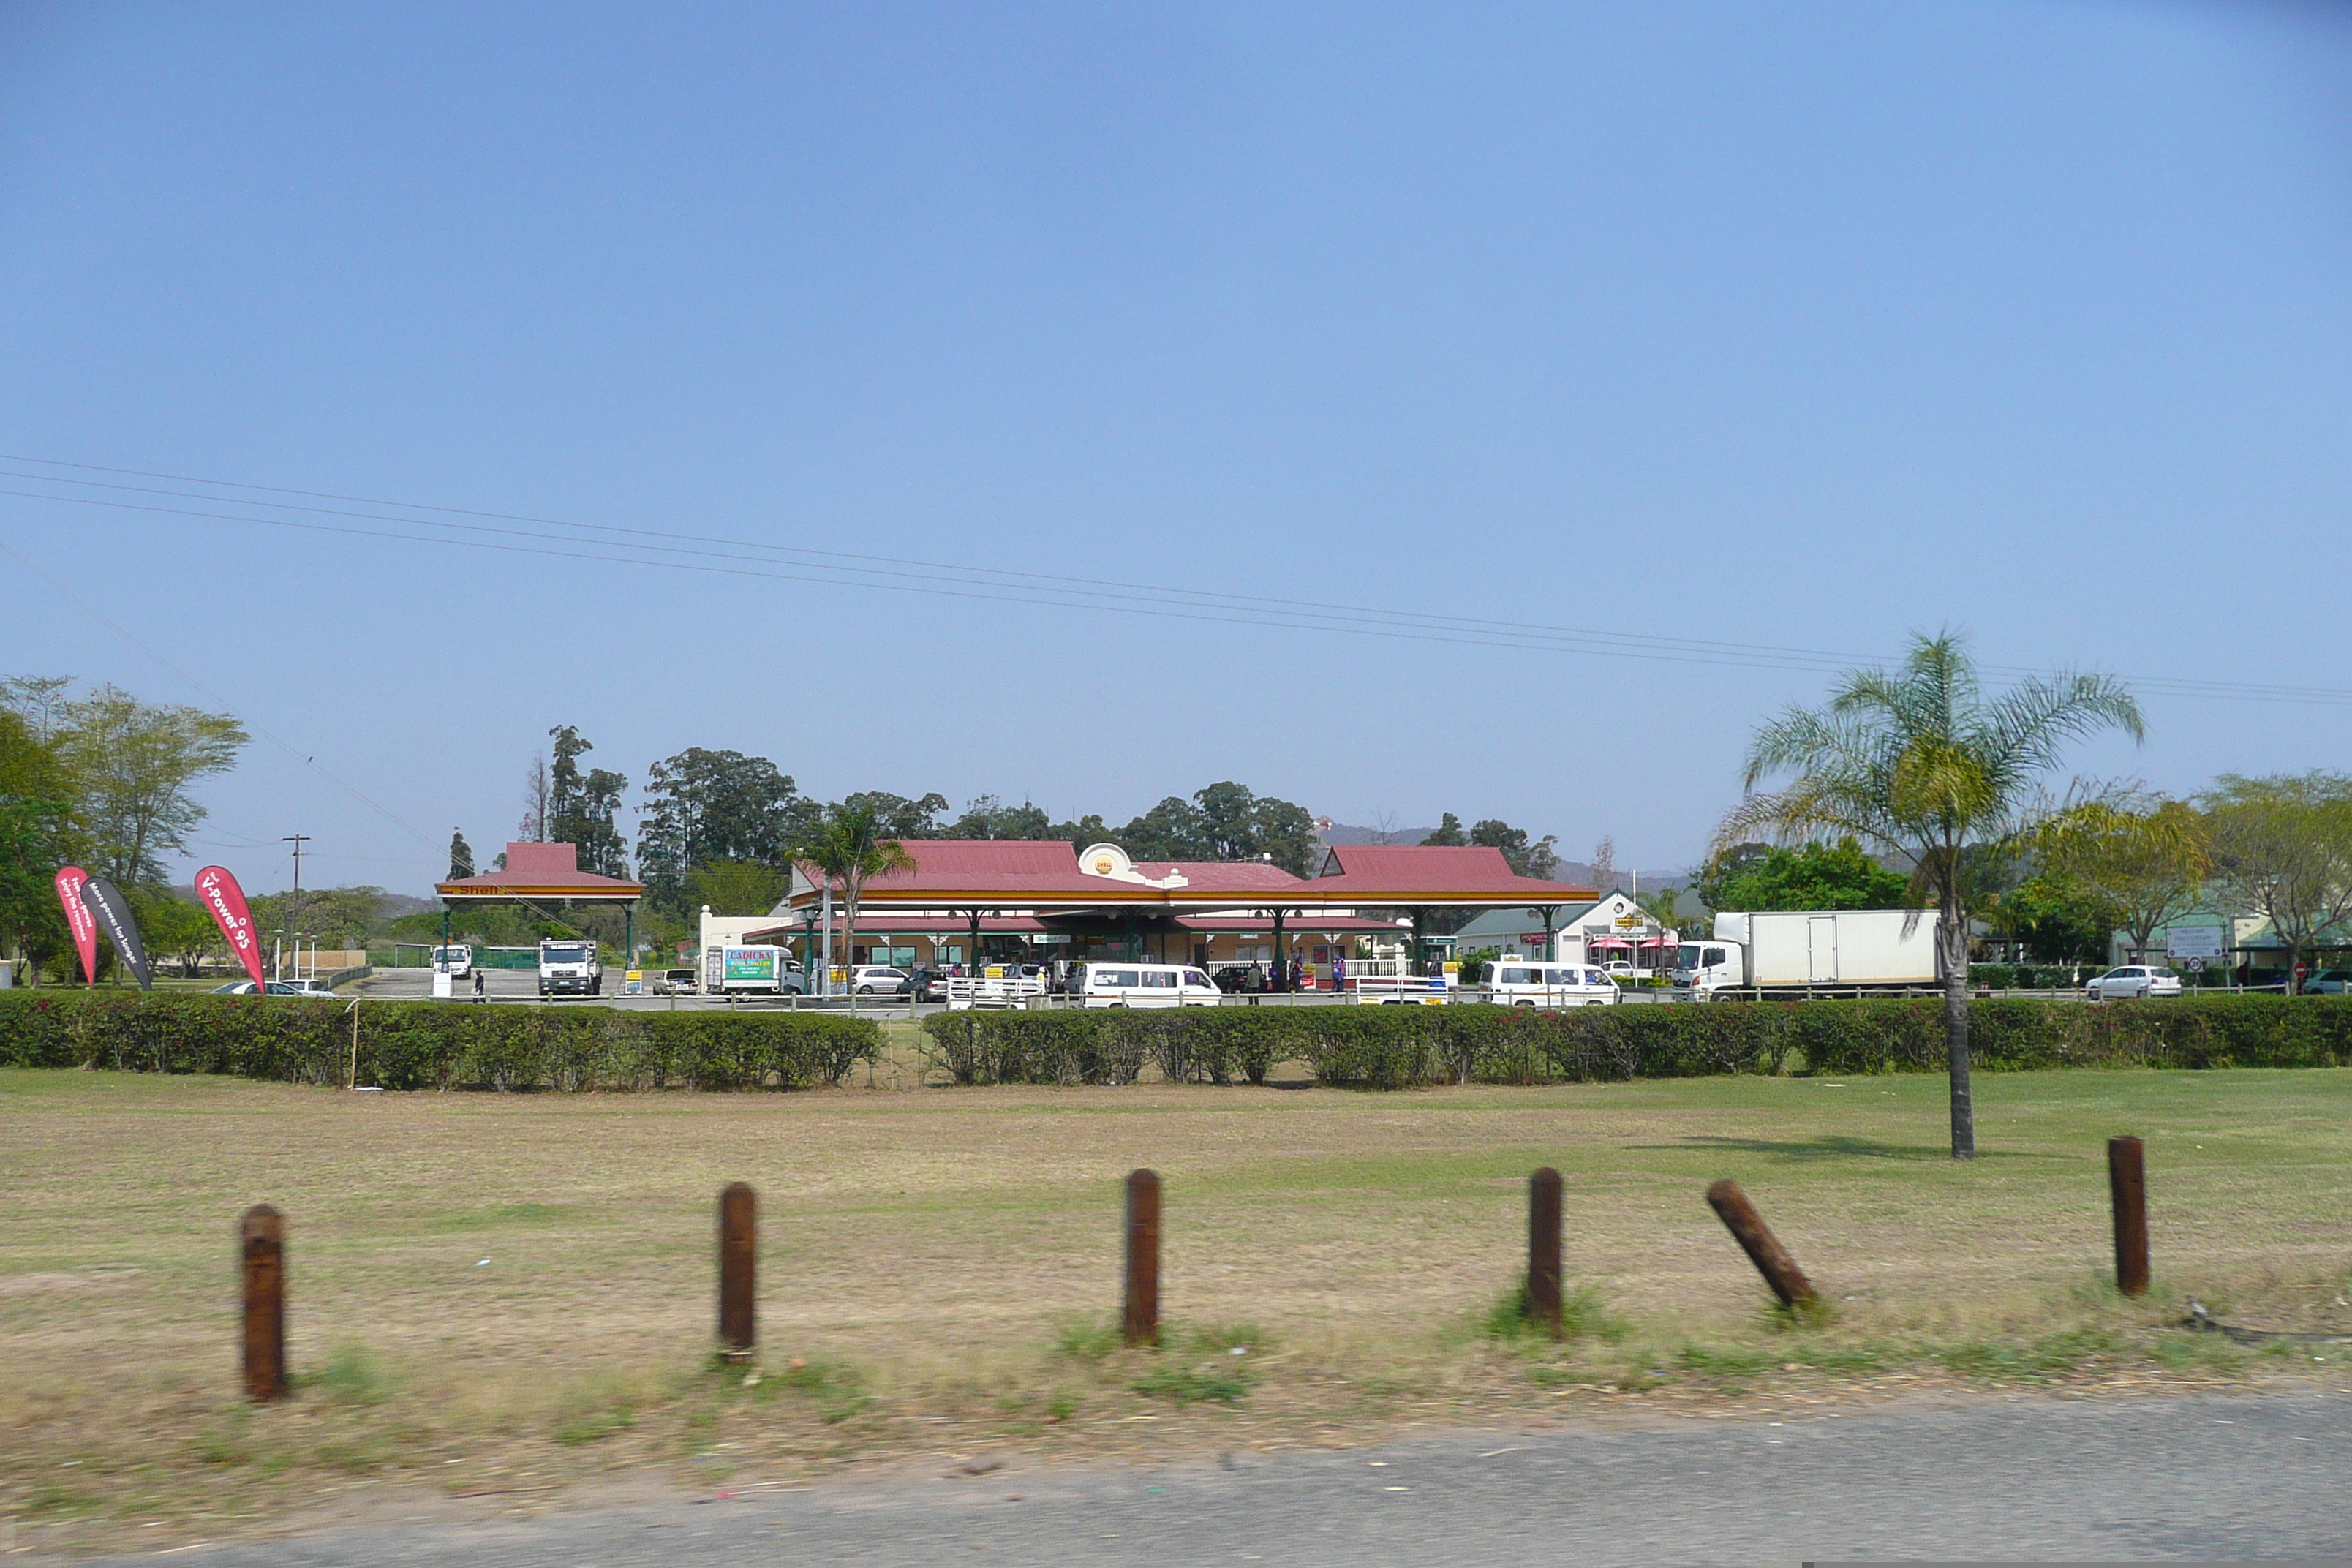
(79, 920)
(216, 889)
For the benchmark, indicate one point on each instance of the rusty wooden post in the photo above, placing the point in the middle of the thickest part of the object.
(1755, 1240)
(739, 1248)
(2127, 1184)
(1543, 1249)
(1141, 1325)
(261, 1244)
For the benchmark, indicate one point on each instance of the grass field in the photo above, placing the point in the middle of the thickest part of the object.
(497, 1296)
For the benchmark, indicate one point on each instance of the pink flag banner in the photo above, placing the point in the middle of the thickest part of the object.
(216, 889)
(79, 920)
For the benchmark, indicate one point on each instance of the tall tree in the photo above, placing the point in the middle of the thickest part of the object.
(706, 807)
(532, 828)
(898, 817)
(1921, 764)
(461, 855)
(850, 847)
(1447, 834)
(134, 766)
(2145, 857)
(1225, 821)
(735, 886)
(988, 817)
(37, 834)
(1527, 858)
(2282, 850)
(582, 806)
(1750, 877)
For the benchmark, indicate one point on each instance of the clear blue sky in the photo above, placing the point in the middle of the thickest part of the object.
(1790, 326)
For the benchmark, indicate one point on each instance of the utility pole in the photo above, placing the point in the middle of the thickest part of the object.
(295, 899)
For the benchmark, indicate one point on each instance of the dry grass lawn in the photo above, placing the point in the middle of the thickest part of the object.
(499, 1297)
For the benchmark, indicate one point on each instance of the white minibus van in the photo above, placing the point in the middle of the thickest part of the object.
(1534, 984)
(1143, 985)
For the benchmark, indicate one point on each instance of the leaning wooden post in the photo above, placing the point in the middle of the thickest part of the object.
(2128, 1184)
(1141, 1324)
(1543, 1249)
(1755, 1240)
(739, 1248)
(261, 1243)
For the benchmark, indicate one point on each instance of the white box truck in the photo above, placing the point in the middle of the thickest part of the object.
(759, 971)
(1799, 950)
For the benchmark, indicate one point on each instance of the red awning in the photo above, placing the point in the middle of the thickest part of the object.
(1609, 941)
(1662, 941)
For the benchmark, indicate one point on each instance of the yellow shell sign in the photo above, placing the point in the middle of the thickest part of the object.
(1102, 865)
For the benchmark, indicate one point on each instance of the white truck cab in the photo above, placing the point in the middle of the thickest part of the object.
(1709, 965)
(456, 958)
(568, 966)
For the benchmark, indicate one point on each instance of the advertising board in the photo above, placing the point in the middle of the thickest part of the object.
(750, 963)
(2193, 941)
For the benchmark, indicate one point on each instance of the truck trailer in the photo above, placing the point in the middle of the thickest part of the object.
(1800, 949)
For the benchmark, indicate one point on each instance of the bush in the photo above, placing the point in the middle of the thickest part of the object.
(1410, 1047)
(431, 1045)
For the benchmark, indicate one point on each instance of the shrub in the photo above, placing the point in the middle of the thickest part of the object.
(431, 1045)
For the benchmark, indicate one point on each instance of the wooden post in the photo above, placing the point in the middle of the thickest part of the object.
(2128, 1184)
(1755, 1238)
(1141, 1325)
(739, 1248)
(261, 1243)
(1543, 1249)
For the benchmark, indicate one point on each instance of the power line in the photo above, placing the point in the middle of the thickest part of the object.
(310, 761)
(722, 556)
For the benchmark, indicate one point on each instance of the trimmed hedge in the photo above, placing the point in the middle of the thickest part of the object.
(1362, 1047)
(431, 1045)
(1402, 1048)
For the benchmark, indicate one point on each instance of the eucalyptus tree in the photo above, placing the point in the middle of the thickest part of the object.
(1920, 763)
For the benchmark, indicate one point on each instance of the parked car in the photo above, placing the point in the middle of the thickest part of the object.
(277, 988)
(2133, 979)
(676, 983)
(879, 980)
(1241, 978)
(2330, 983)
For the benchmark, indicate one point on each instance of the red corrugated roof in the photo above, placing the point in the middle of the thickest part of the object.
(543, 870)
(1396, 873)
(1220, 876)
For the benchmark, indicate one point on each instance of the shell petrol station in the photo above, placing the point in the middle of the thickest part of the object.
(973, 902)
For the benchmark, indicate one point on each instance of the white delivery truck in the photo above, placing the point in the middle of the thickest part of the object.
(759, 971)
(1797, 950)
(456, 959)
(568, 967)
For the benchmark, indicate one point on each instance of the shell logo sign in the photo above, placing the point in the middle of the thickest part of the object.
(1102, 865)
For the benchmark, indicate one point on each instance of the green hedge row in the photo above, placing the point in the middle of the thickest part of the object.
(1399, 1048)
(1365, 1047)
(431, 1045)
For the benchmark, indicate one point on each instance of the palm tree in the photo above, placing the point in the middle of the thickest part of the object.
(1921, 764)
(846, 845)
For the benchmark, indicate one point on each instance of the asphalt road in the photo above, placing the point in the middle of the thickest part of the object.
(2034, 1479)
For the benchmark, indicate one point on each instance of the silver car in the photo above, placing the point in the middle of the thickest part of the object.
(2133, 979)
(2329, 982)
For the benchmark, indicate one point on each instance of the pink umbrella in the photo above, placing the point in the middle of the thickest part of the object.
(1618, 942)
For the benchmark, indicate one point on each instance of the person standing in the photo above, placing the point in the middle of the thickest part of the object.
(481, 987)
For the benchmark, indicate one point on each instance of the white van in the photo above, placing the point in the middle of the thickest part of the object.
(1533, 985)
(456, 958)
(1143, 985)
